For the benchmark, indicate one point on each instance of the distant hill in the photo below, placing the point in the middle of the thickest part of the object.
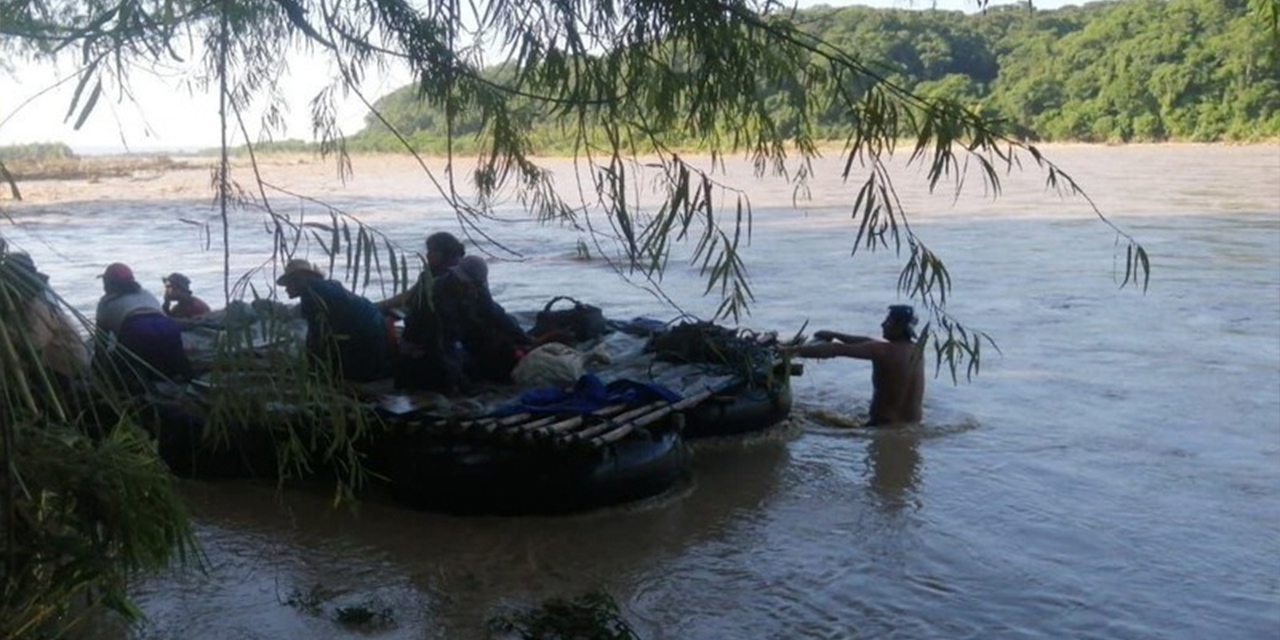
(1134, 70)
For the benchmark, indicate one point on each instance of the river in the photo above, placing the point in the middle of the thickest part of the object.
(1113, 473)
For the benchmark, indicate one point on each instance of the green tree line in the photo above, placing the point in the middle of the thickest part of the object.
(1127, 71)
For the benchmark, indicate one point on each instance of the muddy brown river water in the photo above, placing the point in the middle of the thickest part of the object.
(1115, 473)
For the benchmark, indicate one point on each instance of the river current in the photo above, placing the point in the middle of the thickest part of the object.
(1113, 472)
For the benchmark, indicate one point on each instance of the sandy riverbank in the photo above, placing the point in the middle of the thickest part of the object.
(373, 174)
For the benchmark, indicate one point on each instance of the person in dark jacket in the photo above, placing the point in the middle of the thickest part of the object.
(491, 339)
(345, 332)
(430, 350)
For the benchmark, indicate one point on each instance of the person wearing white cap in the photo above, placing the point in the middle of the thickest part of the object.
(897, 365)
(492, 340)
(430, 354)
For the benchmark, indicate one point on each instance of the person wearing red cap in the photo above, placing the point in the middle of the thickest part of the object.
(135, 318)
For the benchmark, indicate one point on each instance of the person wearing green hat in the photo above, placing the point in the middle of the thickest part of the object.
(897, 365)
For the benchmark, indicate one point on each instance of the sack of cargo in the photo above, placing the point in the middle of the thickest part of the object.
(555, 364)
(550, 364)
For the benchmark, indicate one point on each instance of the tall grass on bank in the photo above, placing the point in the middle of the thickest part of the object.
(85, 503)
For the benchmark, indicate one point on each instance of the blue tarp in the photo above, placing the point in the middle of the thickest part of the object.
(589, 394)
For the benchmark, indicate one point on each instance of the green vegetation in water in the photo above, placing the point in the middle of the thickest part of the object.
(369, 615)
(592, 616)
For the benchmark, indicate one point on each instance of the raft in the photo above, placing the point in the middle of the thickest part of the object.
(519, 464)
(549, 465)
(477, 455)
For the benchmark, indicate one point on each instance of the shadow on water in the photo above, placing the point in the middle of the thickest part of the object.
(441, 576)
(892, 458)
(894, 461)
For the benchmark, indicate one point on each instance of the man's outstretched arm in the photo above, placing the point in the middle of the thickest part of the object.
(826, 336)
(866, 350)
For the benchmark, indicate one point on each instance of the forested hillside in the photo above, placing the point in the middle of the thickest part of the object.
(1133, 70)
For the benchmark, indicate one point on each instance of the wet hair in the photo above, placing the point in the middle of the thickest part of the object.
(904, 315)
(445, 244)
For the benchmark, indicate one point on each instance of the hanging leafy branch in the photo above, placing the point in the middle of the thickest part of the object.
(624, 79)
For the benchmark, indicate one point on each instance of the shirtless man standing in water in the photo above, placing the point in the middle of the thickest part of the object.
(897, 366)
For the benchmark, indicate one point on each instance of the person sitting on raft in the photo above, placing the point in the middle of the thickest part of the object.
(345, 332)
(897, 365)
(492, 340)
(50, 333)
(136, 320)
(178, 299)
(430, 351)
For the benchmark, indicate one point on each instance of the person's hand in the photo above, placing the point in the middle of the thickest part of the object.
(824, 336)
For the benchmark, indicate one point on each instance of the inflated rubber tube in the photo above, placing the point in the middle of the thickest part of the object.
(475, 479)
(181, 441)
(738, 411)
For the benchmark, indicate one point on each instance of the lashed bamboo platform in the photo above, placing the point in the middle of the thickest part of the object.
(598, 428)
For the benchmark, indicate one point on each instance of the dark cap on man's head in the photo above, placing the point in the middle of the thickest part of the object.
(178, 281)
(902, 314)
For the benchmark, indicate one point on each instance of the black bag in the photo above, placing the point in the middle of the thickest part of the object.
(582, 321)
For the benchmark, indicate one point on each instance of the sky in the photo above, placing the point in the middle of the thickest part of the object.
(169, 112)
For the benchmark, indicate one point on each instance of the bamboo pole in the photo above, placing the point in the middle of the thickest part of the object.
(620, 430)
(596, 430)
(576, 421)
